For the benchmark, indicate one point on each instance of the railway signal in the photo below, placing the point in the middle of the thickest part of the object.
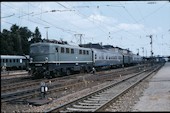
(44, 89)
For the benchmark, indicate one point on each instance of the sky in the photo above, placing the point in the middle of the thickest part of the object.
(125, 24)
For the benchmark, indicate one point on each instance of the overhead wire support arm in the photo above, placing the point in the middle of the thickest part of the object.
(52, 11)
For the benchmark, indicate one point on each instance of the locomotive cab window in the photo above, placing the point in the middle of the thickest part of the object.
(56, 49)
(44, 49)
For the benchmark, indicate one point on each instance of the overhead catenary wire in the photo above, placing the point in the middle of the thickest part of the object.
(8, 16)
(133, 18)
(119, 29)
(84, 16)
(106, 24)
(54, 10)
(64, 30)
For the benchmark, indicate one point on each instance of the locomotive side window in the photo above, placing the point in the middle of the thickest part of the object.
(62, 50)
(87, 52)
(56, 49)
(84, 52)
(95, 56)
(72, 51)
(67, 50)
(80, 51)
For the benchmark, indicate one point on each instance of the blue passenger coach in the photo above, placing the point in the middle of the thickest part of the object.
(12, 62)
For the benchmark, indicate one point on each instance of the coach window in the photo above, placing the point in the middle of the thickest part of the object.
(17, 60)
(13, 60)
(62, 50)
(3, 60)
(6, 60)
(10, 60)
(72, 51)
(102, 57)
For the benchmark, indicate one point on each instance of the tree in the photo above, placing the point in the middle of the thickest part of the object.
(15, 41)
(25, 34)
(5, 46)
(36, 36)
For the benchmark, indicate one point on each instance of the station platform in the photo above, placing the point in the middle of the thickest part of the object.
(157, 96)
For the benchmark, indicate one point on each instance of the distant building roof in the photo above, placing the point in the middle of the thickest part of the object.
(108, 46)
(90, 45)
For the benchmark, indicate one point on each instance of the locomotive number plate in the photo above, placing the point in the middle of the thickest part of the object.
(38, 64)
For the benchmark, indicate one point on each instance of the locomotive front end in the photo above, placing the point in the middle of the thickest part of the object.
(40, 56)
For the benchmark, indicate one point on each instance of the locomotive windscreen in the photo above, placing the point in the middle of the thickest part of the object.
(39, 49)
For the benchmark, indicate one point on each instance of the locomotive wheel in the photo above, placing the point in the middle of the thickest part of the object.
(82, 70)
(88, 70)
(68, 72)
(57, 74)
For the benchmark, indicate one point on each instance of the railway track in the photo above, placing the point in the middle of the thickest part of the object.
(8, 74)
(26, 84)
(29, 93)
(100, 99)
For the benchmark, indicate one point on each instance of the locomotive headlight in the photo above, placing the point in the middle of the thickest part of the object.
(44, 68)
(31, 59)
(46, 59)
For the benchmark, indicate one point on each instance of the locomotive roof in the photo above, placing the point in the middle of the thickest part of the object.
(61, 45)
(13, 57)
